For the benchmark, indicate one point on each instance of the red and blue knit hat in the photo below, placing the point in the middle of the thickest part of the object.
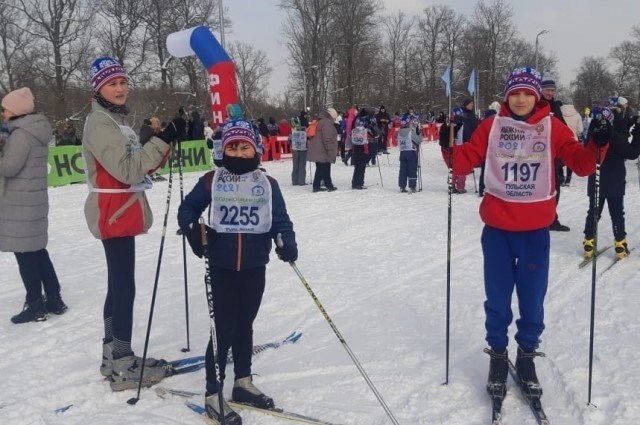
(238, 130)
(103, 70)
(523, 79)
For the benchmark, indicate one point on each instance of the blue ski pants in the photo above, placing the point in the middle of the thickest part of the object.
(408, 169)
(520, 260)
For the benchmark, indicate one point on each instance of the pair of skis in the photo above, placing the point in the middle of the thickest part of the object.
(534, 402)
(200, 410)
(194, 364)
(613, 262)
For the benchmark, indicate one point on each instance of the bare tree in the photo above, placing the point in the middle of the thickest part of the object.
(398, 28)
(431, 26)
(453, 32)
(121, 33)
(253, 71)
(14, 41)
(491, 32)
(307, 34)
(625, 55)
(594, 83)
(635, 73)
(64, 29)
(358, 51)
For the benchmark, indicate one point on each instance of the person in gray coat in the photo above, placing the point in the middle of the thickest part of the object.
(24, 204)
(323, 150)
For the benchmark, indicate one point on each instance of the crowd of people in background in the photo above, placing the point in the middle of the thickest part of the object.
(119, 160)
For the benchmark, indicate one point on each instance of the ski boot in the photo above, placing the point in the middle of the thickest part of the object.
(32, 311)
(107, 360)
(587, 244)
(126, 374)
(498, 371)
(622, 250)
(212, 406)
(245, 392)
(527, 372)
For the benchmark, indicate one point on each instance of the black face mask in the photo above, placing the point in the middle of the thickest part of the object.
(239, 165)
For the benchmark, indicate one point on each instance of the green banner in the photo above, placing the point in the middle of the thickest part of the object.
(66, 164)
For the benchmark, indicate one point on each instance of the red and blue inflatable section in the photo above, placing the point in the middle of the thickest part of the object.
(201, 42)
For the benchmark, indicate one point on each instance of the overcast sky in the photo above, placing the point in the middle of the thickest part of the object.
(577, 28)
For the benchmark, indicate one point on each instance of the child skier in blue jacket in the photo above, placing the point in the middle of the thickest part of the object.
(246, 212)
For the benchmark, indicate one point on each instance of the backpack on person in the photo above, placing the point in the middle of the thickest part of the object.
(311, 130)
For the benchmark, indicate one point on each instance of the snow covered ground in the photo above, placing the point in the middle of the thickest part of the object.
(376, 259)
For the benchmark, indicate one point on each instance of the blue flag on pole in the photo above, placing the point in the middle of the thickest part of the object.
(446, 77)
(472, 82)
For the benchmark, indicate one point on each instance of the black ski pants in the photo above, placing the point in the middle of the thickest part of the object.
(616, 211)
(120, 254)
(236, 301)
(359, 160)
(37, 273)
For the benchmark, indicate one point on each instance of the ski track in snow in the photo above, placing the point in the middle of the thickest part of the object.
(376, 259)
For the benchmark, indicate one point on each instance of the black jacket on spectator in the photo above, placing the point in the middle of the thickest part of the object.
(196, 127)
(469, 122)
(613, 170)
(262, 128)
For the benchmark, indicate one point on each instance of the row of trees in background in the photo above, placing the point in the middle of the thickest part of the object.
(346, 53)
(341, 52)
(49, 45)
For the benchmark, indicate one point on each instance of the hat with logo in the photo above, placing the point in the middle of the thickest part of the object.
(238, 130)
(103, 70)
(523, 79)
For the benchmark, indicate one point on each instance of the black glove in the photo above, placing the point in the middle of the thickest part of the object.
(181, 127)
(602, 133)
(193, 234)
(286, 248)
(175, 130)
(287, 253)
(444, 136)
(146, 132)
(445, 133)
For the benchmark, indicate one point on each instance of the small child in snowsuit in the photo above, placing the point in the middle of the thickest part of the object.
(361, 135)
(409, 140)
(298, 139)
(246, 212)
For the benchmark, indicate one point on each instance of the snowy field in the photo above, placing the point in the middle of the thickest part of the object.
(376, 259)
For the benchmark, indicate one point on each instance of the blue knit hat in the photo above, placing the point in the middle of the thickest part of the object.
(526, 79)
(103, 70)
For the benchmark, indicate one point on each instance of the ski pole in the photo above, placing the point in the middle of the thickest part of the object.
(596, 218)
(184, 251)
(212, 318)
(135, 399)
(449, 219)
(340, 337)
(420, 167)
(380, 172)
(475, 185)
